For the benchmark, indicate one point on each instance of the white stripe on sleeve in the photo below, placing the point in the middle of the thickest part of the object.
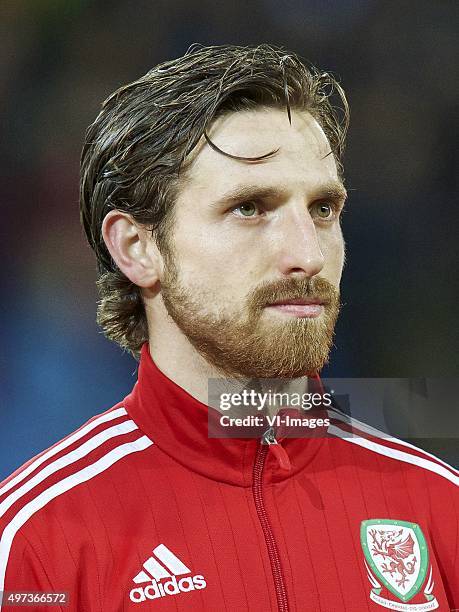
(57, 489)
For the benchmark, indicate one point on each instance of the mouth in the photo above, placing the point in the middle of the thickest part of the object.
(301, 301)
(299, 307)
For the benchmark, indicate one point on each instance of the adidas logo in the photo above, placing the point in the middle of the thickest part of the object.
(161, 571)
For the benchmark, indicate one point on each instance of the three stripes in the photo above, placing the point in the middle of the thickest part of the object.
(60, 487)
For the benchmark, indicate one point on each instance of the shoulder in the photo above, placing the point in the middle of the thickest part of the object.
(86, 454)
(47, 502)
(385, 449)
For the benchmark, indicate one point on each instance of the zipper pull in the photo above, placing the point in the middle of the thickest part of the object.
(277, 449)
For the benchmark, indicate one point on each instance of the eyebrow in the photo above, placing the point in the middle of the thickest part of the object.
(333, 190)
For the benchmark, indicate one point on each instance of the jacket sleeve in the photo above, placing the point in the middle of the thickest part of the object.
(448, 563)
(445, 532)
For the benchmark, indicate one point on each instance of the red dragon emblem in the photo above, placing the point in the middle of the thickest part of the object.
(395, 550)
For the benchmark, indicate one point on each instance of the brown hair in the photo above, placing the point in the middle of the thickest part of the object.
(135, 149)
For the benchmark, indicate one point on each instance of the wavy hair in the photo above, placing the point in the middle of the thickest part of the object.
(134, 154)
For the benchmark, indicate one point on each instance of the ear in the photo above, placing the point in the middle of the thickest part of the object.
(132, 248)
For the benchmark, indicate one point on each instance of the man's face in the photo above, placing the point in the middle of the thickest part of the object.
(251, 238)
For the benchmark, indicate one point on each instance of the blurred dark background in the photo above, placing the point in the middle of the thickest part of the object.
(60, 58)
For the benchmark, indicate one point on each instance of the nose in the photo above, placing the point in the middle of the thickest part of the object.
(300, 252)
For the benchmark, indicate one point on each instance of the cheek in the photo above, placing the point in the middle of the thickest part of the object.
(213, 254)
(332, 245)
(212, 270)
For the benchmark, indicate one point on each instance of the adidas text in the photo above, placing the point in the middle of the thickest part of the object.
(171, 586)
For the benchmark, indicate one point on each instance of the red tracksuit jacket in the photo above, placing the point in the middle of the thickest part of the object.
(139, 510)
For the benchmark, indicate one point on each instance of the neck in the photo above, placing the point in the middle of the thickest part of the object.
(177, 358)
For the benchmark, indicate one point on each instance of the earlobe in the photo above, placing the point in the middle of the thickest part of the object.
(132, 248)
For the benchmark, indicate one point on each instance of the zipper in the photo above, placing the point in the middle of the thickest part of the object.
(277, 449)
(268, 441)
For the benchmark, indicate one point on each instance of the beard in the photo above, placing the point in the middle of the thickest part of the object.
(250, 342)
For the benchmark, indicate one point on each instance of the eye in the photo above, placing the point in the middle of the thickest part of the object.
(324, 211)
(247, 209)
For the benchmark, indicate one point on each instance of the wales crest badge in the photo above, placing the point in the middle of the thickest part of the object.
(397, 560)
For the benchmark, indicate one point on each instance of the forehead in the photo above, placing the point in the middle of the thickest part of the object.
(303, 159)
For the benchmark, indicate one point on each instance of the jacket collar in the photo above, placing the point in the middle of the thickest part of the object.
(178, 424)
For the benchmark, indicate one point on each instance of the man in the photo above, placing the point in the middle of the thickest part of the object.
(211, 193)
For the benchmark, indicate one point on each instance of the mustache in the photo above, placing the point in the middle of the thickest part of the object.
(293, 289)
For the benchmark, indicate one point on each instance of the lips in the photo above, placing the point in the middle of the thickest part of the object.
(299, 307)
(302, 308)
(298, 301)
